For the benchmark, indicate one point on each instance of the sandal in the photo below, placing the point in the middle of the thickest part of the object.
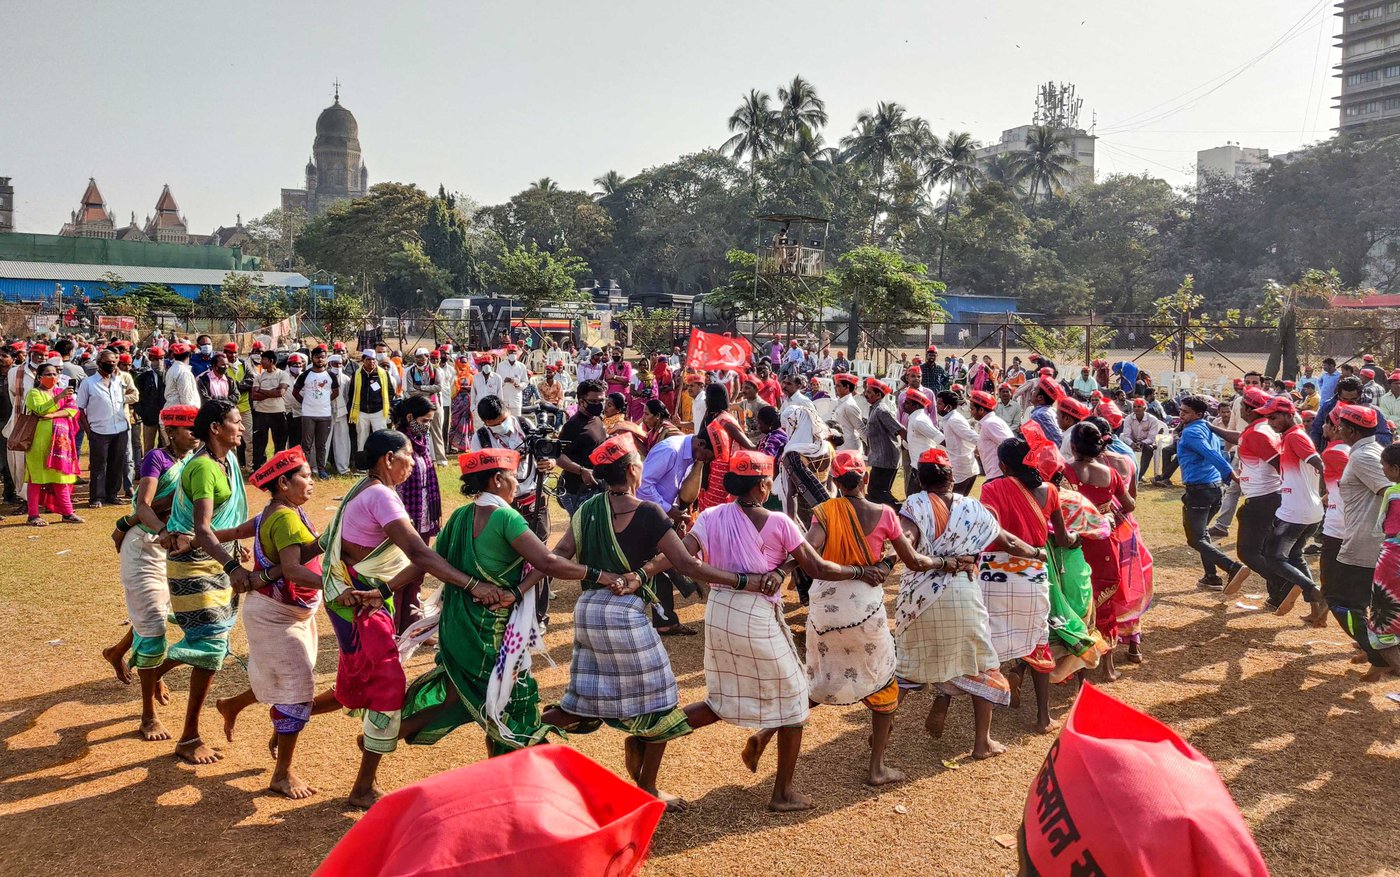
(677, 630)
(37, 521)
(72, 519)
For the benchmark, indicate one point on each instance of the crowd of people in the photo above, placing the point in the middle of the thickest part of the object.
(1007, 496)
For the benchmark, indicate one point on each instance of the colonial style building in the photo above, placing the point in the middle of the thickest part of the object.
(335, 171)
(167, 225)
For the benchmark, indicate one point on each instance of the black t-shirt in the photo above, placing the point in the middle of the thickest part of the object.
(578, 439)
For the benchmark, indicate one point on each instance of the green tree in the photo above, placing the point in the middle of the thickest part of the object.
(343, 315)
(893, 293)
(953, 164)
(1112, 235)
(652, 331)
(538, 279)
(545, 184)
(1045, 161)
(552, 219)
(881, 138)
(799, 109)
(608, 185)
(756, 135)
(448, 243)
(1063, 342)
(272, 238)
(356, 239)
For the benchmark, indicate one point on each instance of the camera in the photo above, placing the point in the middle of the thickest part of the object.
(542, 443)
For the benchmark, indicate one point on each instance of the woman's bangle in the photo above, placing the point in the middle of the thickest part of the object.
(743, 581)
(385, 591)
(124, 523)
(230, 566)
(591, 577)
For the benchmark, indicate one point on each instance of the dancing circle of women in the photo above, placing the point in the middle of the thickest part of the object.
(1041, 576)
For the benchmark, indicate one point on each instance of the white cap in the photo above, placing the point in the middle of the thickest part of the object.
(422, 351)
(366, 354)
(335, 357)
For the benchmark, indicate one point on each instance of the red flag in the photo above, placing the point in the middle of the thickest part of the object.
(714, 352)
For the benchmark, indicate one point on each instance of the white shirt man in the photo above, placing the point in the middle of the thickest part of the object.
(180, 387)
(590, 369)
(991, 432)
(960, 439)
(509, 433)
(1141, 428)
(805, 429)
(514, 376)
(846, 413)
(484, 383)
(340, 419)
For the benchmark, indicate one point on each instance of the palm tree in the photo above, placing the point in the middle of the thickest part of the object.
(608, 184)
(545, 184)
(799, 108)
(957, 166)
(755, 132)
(1045, 161)
(807, 159)
(880, 138)
(1003, 170)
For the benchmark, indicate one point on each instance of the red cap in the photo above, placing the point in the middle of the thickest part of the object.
(1072, 408)
(913, 369)
(912, 395)
(1309, 415)
(1368, 374)
(156, 352)
(932, 349)
(179, 415)
(956, 388)
(1047, 372)
(511, 348)
(874, 384)
(179, 349)
(1289, 385)
(339, 345)
(124, 357)
(1139, 403)
(1239, 382)
(1170, 813)
(848, 461)
(257, 345)
(230, 347)
(935, 455)
(748, 462)
(983, 399)
(1359, 415)
(551, 809)
(614, 449)
(1110, 412)
(846, 378)
(283, 463)
(1276, 405)
(489, 459)
(1255, 397)
(1394, 376)
(1366, 357)
(1050, 387)
(38, 348)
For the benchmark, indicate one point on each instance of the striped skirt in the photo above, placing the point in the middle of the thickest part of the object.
(142, 565)
(205, 607)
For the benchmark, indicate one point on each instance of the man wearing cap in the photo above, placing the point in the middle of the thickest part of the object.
(846, 414)
(486, 382)
(1370, 385)
(370, 391)
(341, 442)
(1044, 392)
(501, 429)
(1389, 401)
(1085, 383)
(514, 377)
(882, 441)
(991, 431)
(180, 387)
(1347, 586)
(919, 434)
(1261, 488)
(1350, 391)
(269, 402)
(1299, 513)
(425, 379)
(592, 369)
(1141, 430)
(806, 455)
(960, 438)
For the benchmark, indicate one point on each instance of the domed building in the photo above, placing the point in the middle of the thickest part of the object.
(336, 171)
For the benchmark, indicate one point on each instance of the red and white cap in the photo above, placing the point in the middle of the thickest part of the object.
(1276, 405)
(848, 461)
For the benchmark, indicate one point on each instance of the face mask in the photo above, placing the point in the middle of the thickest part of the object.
(335, 369)
(48, 381)
(510, 358)
(206, 349)
(106, 367)
(486, 369)
(295, 369)
(418, 430)
(503, 428)
(594, 409)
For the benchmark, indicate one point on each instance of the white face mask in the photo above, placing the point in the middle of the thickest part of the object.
(206, 349)
(505, 427)
(486, 369)
(335, 369)
(294, 369)
(510, 358)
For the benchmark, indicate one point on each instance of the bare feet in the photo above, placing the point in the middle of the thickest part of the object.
(152, 730)
(1044, 726)
(229, 710)
(673, 803)
(633, 751)
(753, 751)
(1374, 674)
(162, 693)
(290, 786)
(991, 750)
(272, 746)
(792, 802)
(937, 716)
(195, 752)
(884, 775)
(364, 798)
(115, 656)
(1359, 657)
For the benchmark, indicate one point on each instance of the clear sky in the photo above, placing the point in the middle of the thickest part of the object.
(220, 100)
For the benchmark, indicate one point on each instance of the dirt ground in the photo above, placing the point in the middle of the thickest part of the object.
(1311, 755)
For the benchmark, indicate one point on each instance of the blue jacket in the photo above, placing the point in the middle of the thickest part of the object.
(1201, 455)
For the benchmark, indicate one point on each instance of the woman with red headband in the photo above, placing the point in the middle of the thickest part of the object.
(753, 676)
(142, 564)
(279, 616)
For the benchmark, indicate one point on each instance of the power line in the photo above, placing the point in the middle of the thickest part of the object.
(1148, 117)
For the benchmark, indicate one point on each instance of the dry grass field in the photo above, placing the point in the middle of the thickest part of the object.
(1311, 754)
